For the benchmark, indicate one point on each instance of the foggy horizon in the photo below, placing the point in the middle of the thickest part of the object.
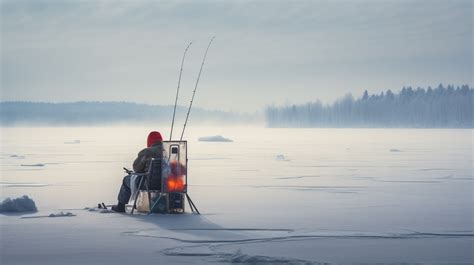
(409, 108)
(252, 111)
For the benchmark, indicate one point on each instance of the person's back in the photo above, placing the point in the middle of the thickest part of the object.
(140, 165)
(142, 162)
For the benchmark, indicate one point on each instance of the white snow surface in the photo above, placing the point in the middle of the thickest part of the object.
(341, 199)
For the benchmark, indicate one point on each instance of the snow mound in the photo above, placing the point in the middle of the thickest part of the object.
(393, 150)
(18, 205)
(215, 138)
(61, 214)
(73, 142)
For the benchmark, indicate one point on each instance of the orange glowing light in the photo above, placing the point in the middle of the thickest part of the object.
(175, 184)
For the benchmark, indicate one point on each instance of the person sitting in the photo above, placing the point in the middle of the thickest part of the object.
(140, 165)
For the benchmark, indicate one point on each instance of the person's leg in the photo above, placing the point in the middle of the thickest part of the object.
(124, 195)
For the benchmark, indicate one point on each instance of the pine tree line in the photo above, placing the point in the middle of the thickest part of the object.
(420, 108)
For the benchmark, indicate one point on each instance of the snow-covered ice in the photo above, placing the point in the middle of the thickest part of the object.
(342, 198)
(215, 138)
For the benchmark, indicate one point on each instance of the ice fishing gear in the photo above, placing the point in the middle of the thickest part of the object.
(195, 87)
(164, 187)
(177, 90)
(103, 206)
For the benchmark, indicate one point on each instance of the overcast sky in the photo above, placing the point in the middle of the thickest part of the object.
(265, 52)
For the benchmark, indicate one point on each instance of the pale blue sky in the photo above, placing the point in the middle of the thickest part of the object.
(265, 51)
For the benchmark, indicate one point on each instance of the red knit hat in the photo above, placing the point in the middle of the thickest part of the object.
(153, 137)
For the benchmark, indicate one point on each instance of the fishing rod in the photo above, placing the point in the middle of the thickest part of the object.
(177, 91)
(195, 87)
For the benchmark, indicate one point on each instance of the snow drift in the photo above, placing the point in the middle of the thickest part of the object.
(61, 214)
(18, 205)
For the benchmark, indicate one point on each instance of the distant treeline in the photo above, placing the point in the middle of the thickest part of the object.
(440, 107)
(97, 113)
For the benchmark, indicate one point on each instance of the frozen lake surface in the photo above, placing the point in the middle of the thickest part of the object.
(272, 196)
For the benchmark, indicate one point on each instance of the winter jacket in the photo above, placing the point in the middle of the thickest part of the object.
(142, 162)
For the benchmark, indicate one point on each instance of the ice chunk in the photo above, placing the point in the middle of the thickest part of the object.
(61, 214)
(73, 142)
(18, 205)
(280, 158)
(215, 138)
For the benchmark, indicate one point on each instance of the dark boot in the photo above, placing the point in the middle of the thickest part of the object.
(119, 208)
